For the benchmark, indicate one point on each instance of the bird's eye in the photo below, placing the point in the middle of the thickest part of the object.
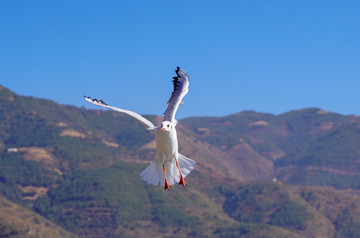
(167, 125)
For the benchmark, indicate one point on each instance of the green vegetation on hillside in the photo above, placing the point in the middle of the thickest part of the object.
(15, 172)
(80, 169)
(323, 147)
(264, 203)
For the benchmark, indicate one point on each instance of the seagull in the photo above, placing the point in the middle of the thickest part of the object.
(170, 166)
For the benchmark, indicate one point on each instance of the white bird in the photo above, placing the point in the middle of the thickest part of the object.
(170, 166)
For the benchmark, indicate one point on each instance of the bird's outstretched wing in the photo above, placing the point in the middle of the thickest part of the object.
(147, 124)
(181, 87)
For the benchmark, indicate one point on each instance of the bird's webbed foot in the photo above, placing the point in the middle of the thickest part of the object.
(182, 181)
(167, 185)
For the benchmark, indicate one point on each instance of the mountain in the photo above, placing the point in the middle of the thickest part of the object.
(308, 147)
(257, 175)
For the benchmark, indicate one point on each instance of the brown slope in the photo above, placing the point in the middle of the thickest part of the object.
(16, 221)
(242, 162)
(335, 213)
(243, 159)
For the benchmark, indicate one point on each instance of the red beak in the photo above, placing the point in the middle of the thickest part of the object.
(162, 128)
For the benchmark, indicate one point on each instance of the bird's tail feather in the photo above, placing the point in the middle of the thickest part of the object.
(172, 172)
(151, 174)
(185, 164)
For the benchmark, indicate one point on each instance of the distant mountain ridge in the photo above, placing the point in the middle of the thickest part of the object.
(79, 169)
(309, 146)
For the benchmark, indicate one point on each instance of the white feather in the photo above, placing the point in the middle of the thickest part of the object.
(148, 124)
(181, 87)
(151, 175)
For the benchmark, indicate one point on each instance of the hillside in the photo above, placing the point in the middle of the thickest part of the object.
(79, 169)
(308, 147)
(16, 221)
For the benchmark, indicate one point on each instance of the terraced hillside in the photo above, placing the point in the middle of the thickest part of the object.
(73, 171)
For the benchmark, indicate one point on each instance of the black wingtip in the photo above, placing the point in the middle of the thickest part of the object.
(102, 102)
(95, 100)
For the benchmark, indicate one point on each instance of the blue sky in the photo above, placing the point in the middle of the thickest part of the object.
(267, 56)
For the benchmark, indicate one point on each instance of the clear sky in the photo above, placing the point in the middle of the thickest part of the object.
(268, 56)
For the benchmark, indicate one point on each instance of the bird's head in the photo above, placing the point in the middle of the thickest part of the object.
(166, 126)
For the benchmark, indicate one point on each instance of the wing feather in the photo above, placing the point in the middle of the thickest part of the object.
(181, 87)
(147, 124)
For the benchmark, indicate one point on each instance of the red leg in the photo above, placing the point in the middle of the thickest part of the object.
(182, 180)
(167, 185)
